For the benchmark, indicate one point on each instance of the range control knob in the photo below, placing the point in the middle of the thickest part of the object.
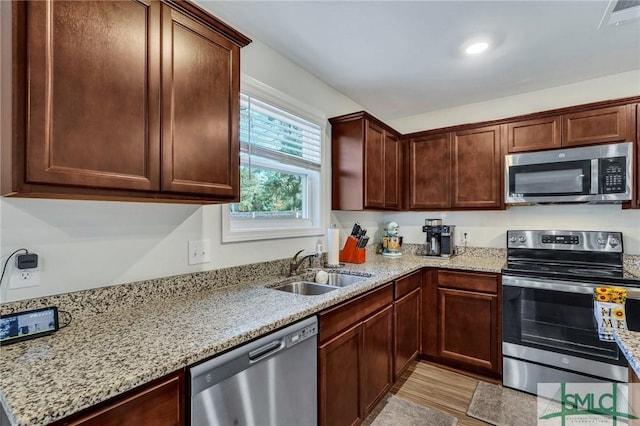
(522, 238)
(602, 241)
(513, 239)
(613, 242)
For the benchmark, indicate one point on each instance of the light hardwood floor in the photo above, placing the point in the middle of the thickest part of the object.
(439, 388)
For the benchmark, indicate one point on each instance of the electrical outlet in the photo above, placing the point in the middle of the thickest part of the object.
(199, 251)
(23, 278)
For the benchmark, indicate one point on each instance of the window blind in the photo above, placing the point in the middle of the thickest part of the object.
(270, 132)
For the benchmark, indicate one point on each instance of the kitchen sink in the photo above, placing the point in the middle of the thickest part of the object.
(337, 279)
(306, 288)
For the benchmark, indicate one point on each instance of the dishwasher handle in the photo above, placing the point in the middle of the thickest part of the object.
(266, 350)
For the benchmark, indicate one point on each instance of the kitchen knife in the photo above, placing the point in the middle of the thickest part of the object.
(355, 230)
(362, 242)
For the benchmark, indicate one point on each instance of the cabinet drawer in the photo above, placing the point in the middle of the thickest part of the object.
(407, 284)
(468, 281)
(342, 316)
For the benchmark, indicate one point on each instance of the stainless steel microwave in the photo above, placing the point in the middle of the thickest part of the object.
(595, 174)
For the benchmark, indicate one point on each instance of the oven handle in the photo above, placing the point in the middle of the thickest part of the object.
(565, 286)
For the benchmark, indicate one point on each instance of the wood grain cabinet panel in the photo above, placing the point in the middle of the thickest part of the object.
(92, 112)
(355, 357)
(476, 172)
(406, 330)
(340, 377)
(596, 126)
(131, 99)
(532, 135)
(377, 357)
(366, 164)
(467, 328)
(637, 181)
(393, 169)
(160, 403)
(430, 172)
(201, 109)
(374, 150)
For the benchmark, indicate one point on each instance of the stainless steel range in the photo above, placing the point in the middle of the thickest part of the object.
(549, 333)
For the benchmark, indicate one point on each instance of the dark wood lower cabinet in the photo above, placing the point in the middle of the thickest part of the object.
(461, 324)
(159, 403)
(355, 364)
(406, 346)
(467, 327)
(340, 366)
(377, 357)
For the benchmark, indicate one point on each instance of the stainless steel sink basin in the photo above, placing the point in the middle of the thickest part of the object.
(342, 280)
(306, 288)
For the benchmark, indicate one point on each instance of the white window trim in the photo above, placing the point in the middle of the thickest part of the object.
(269, 230)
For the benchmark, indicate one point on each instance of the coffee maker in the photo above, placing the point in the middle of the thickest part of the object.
(440, 238)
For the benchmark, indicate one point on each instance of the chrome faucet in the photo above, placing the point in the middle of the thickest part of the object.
(294, 263)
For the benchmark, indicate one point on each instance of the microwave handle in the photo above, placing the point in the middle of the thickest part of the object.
(595, 175)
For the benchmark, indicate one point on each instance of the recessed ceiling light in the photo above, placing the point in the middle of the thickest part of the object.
(475, 48)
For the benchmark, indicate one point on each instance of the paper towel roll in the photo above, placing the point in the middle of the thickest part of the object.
(333, 246)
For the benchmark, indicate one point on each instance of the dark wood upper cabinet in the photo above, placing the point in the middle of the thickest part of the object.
(593, 126)
(201, 110)
(460, 169)
(127, 99)
(637, 112)
(430, 172)
(366, 164)
(532, 135)
(596, 126)
(374, 150)
(93, 94)
(476, 173)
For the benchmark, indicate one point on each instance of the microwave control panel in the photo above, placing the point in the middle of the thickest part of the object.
(613, 176)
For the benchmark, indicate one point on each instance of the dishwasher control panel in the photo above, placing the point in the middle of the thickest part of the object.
(301, 335)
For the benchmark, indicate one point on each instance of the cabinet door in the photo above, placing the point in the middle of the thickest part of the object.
(532, 135)
(406, 330)
(429, 172)
(93, 93)
(476, 171)
(467, 328)
(392, 171)
(201, 101)
(637, 115)
(596, 126)
(374, 166)
(340, 373)
(377, 357)
(158, 404)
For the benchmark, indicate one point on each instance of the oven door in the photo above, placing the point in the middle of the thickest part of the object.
(557, 316)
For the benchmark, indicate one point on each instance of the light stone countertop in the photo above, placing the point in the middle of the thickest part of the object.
(105, 354)
(629, 343)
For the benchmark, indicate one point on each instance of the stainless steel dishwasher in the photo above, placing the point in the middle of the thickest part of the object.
(270, 381)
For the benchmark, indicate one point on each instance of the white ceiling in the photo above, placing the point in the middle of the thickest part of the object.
(401, 58)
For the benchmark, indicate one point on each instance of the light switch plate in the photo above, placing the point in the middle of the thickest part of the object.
(199, 251)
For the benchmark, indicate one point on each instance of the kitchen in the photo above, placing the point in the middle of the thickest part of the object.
(88, 244)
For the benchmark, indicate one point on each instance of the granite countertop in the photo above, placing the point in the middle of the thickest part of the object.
(629, 343)
(102, 355)
(125, 336)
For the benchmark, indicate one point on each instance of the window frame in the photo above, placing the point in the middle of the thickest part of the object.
(317, 182)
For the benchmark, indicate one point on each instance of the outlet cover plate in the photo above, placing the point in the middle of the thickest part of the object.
(23, 278)
(199, 251)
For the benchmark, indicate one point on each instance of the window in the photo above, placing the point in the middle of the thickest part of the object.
(280, 175)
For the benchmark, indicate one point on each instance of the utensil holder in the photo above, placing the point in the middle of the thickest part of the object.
(350, 253)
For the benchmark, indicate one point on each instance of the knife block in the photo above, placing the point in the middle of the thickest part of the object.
(351, 254)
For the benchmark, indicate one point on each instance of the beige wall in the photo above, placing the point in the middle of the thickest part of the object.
(611, 87)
